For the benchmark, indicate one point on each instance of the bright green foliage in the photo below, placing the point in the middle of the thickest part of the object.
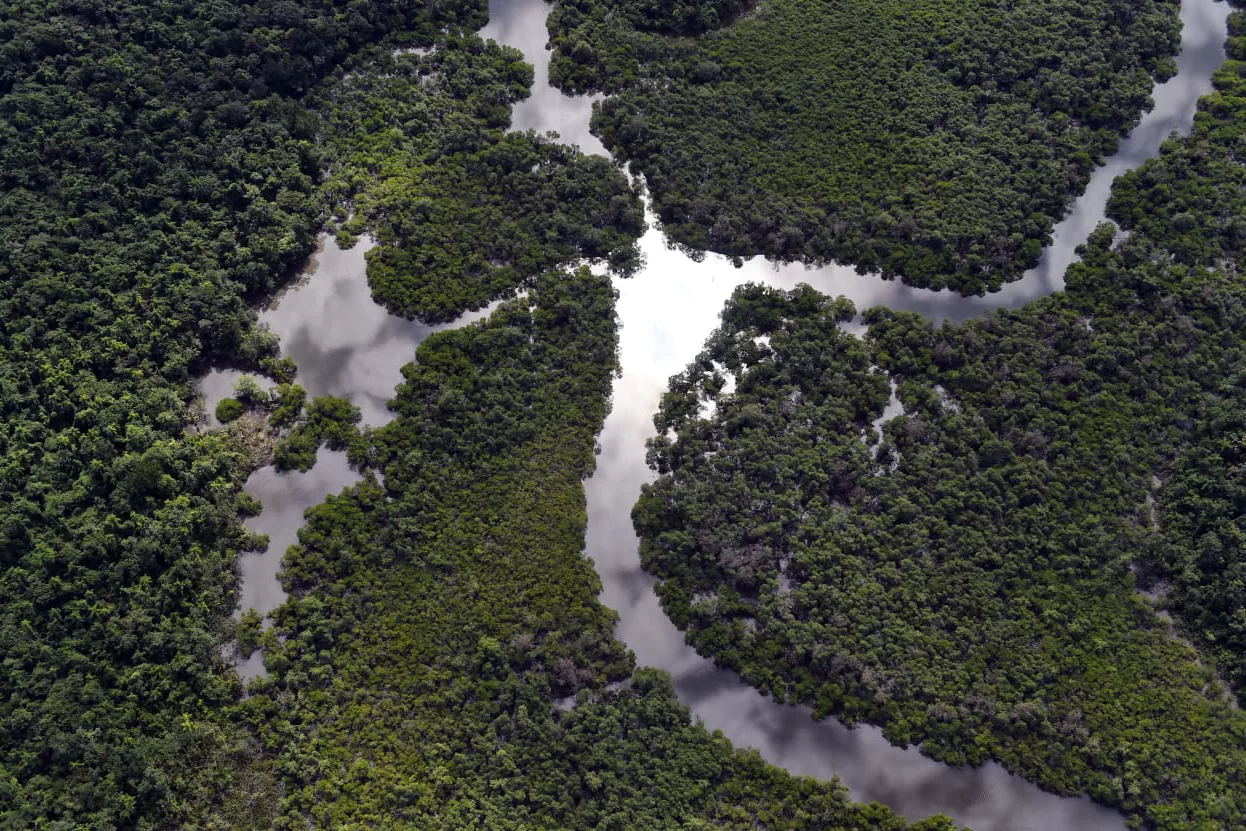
(969, 583)
(249, 392)
(432, 620)
(464, 213)
(935, 141)
(330, 421)
(281, 370)
(229, 409)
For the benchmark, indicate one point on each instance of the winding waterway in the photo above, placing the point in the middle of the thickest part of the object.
(345, 345)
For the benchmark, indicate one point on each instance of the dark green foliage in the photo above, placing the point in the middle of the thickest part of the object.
(1202, 555)
(937, 142)
(287, 405)
(432, 620)
(281, 370)
(229, 409)
(672, 17)
(155, 168)
(248, 505)
(158, 165)
(250, 630)
(464, 213)
(968, 582)
(1192, 202)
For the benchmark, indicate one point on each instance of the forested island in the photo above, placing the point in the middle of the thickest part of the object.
(164, 167)
(463, 213)
(969, 579)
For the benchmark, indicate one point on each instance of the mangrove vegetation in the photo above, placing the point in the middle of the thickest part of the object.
(463, 213)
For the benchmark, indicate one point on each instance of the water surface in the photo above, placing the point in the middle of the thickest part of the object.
(346, 345)
(343, 343)
(667, 311)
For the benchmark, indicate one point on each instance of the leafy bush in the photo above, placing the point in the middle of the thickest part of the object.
(228, 410)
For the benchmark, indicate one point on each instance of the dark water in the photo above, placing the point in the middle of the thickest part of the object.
(346, 345)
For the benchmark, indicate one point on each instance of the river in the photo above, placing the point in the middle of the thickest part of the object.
(346, 345)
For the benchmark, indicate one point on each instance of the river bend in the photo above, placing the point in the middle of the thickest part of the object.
(346, 345)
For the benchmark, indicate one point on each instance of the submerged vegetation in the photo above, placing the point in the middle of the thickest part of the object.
(968, 578)
(937, 142)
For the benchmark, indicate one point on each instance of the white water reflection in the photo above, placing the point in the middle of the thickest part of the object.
(546, 110)
(667, 313)
(1205, 25)
(286, 498)
(521, 23)
(343, 343)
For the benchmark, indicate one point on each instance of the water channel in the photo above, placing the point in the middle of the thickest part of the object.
(346, 345)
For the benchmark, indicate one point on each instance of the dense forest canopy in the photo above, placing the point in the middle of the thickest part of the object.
(968, 579)
(161, 164)
(158, 164)
(937, 142)
(155, 167)
(433, 619)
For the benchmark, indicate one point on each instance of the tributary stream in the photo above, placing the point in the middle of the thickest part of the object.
(346, 345)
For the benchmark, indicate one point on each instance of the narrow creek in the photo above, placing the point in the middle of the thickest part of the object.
(346, 345)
